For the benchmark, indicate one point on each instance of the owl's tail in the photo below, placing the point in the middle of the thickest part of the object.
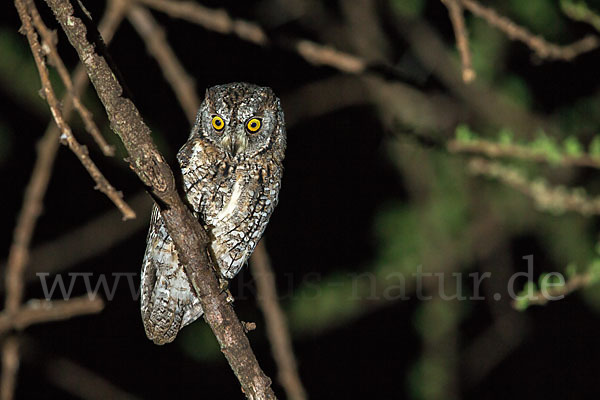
(167, 300)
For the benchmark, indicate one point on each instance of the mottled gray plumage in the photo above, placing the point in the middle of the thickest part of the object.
(231, 166)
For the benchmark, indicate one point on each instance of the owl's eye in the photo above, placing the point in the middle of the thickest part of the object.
(218, 123)
(253, 125)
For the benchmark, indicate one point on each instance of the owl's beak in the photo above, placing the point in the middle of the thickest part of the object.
(235, 144)
(239, 144)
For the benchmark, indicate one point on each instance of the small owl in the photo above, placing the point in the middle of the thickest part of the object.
(231, 167)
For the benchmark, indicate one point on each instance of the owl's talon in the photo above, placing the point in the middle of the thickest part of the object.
(229, 297)
(223, 284)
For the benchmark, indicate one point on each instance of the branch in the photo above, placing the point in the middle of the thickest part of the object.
(455, 11)
(220, 21)
(538, 44)
(541, 298)
(553, 199)
(190, 239)
(501, 150)
(80, 151)
(40, 311)
(580, 12)
(10, 367)
(49, 40)
(277, 328)
(153, 35)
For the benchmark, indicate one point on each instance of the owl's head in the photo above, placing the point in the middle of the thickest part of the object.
(241, 119)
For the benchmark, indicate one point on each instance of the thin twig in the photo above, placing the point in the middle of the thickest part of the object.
(49, 40)
(220, 21)
(538, 44)
(211, 19)
(500, 150)
(455, 12)
(40, 311)
(580, 11)
(547, 198)
(277, 327)
(10, 367)
(190, 239)
(154, 37)
(541, 298)
(80, 151)
(32, 206)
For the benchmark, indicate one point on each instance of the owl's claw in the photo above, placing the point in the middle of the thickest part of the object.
(223, 284)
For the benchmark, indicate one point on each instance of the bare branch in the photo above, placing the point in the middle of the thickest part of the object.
(500, 150)
(547, 198)
(190, 239)
(10, 367)
(49, 40)
(32, 207)
(462, 39)
(214, 20)
(541, 298)
(538, 44)
(80, 151)
(40, 311)
(182, 83)
(277, 328)
(220, 21)
(580, 11)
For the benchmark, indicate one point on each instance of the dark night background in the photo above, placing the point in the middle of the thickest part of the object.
(360, 194)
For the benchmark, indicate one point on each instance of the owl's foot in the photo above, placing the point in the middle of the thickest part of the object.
(223, 283)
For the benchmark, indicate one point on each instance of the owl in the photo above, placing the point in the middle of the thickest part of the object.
(231, 166)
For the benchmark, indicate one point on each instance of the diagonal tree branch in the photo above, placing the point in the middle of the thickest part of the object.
(190, 239)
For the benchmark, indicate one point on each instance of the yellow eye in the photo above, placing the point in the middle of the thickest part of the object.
(218, 123)
(253, 125)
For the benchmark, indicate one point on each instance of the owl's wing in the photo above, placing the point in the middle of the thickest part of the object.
(168, 302)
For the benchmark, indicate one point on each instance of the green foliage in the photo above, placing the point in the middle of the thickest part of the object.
(542, 145)
(572, 147)
(548, 282)
(547, 146)
(594, 147)
(506, 136)
(525, 296)
(408, 8)
(464, 133)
